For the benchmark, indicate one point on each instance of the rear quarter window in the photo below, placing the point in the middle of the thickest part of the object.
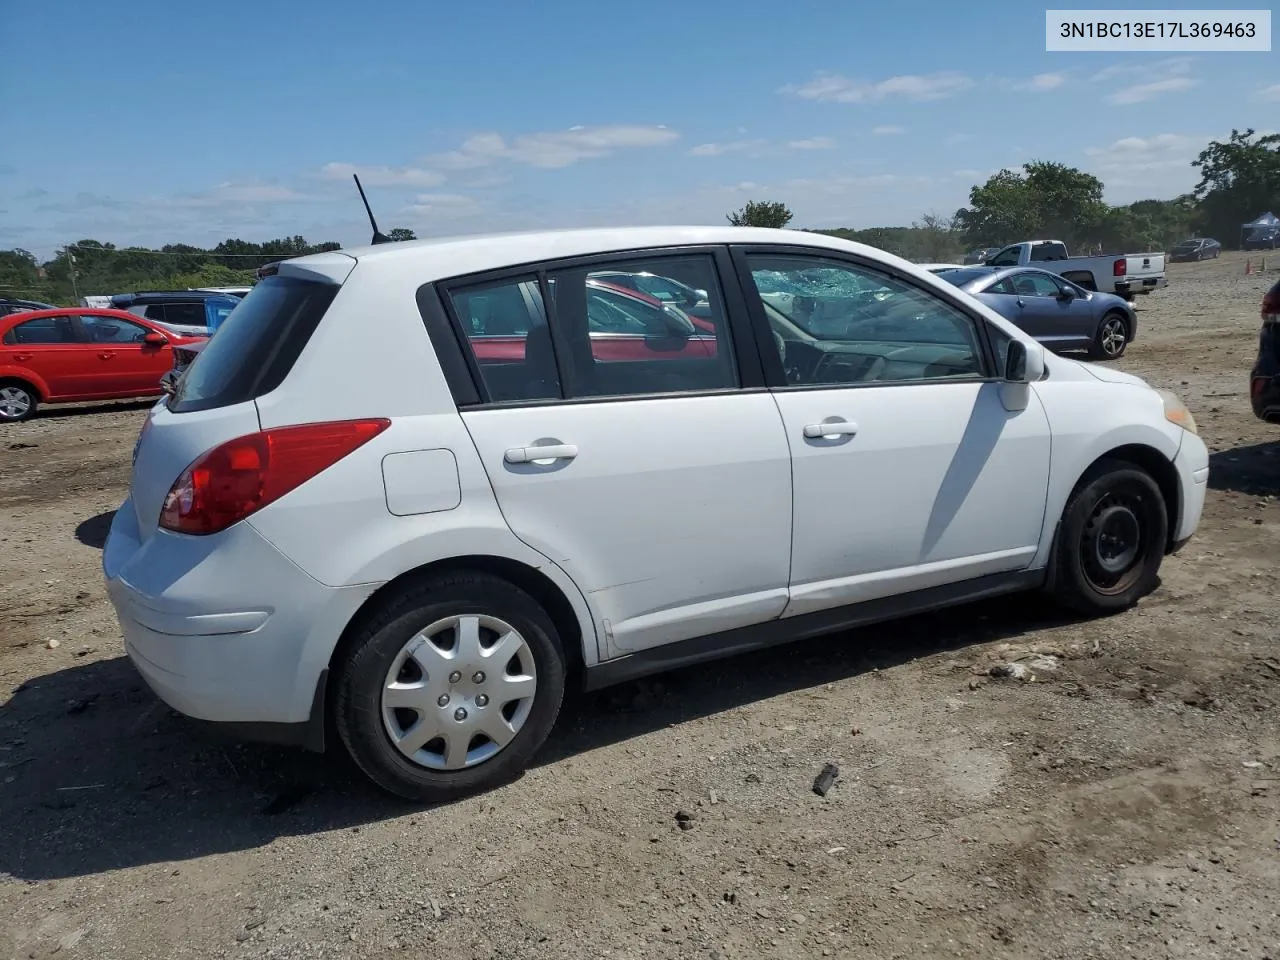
(256, 346)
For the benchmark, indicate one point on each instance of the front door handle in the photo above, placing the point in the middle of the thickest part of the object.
(22, 356)
(551, 451)
(108, 355)
(833, 428)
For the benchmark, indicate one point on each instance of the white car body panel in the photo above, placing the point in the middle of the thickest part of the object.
(943, 482)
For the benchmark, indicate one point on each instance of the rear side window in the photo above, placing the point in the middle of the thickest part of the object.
(256, 346)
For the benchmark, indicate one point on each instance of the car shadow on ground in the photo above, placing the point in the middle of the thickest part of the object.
(1252, 470)
(79, 410)
(99, 775)
(93, 532)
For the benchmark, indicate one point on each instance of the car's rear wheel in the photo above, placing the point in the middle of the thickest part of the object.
(1111, 540)
(18, 401)
(1111, 339)
(450, 687)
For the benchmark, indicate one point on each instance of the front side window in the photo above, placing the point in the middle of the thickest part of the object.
(1035, 285)
(835, 323)
(1006, 258)
(112, 330)
(185, 314)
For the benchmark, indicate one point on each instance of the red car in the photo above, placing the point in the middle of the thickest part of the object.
(73, 354)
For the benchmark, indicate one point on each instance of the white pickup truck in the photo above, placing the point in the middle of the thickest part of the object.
(1121, 274)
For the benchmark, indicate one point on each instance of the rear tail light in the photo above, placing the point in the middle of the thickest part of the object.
(235, 479)
(1120, 267)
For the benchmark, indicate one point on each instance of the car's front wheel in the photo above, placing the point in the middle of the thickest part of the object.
(1111, 339)
(18, 401)
(1111, 540)
(450, 687)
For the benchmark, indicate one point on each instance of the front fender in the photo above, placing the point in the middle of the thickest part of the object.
(1088, 419)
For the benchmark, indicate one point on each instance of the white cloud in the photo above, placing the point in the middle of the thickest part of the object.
(1047, 81)
(454, 204)
(719, 149)
(957, 138)
(1269, 94)
(812, 143)
(841, 89)
(1170, 66)
(1142, 92)
(1137, 168)
(552, 149)
(887, 131)
(232, 193)
(381, 176)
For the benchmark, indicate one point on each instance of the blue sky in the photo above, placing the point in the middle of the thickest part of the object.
(184, 123)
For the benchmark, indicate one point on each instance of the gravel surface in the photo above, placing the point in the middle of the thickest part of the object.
(1121, 799)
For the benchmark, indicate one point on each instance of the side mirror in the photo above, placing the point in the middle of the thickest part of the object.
(1066, 293)
(1023, 362)
(153, 339)
(674, 325)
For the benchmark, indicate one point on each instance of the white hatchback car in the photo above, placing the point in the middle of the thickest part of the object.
(412, 491)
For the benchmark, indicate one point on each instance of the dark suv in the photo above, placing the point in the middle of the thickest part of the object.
(194, 313)
(10, 305)
(1264, 380)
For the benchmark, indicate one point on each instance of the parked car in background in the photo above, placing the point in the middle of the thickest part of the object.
(69, 354)
(190, 313)
(1262, 233)
(342, 520)
(1197, 248)
(10, 305)
(1124, 276)
(1264, 379)
(1057, 312)
(980, 255)
(939, 267)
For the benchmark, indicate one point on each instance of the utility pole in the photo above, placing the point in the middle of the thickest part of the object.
(71, 262)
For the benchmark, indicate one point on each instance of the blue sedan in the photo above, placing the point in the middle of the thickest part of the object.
(1057, 312)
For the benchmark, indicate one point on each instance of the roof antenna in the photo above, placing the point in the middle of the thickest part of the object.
(378, 237)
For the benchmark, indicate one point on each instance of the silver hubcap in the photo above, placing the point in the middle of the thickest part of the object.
(1113, 337)
(14, 402)
(458, 692)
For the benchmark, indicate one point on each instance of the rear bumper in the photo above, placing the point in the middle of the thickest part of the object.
(1264, 378)
(1137, 285)
(225, 629)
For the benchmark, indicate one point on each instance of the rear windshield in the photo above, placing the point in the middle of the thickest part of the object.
(255, 346)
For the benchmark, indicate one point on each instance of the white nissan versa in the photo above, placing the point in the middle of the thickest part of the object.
(412, 491)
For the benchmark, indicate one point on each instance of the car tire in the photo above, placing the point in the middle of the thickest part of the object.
(374, 707)
(18, 401)
(1111, 540)
(1112, 338)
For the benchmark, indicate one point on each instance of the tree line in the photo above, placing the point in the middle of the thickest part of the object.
(1239, 179)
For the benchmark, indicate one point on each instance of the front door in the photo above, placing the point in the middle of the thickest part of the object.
(125, 365)
(908, 470)
(1053, 319)
(657, 483)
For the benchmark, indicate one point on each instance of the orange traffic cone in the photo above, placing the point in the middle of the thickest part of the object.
(1248, 266)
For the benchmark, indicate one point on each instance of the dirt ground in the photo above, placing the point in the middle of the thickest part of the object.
(1126, 804)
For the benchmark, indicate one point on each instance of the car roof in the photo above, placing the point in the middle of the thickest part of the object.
(437, 258)
(82, 312)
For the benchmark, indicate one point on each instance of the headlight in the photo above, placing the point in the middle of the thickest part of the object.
(1175, 411)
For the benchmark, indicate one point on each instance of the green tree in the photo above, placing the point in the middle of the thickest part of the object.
(1239, 180)
(1046, 200)
(761, 213)
(401, 233)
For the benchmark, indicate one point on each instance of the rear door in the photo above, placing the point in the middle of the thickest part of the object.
(659, 480)
(51, 349)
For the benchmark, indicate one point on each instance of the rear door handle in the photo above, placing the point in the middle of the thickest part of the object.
(108, 355)
(551, 451)
(834, 428)
(22, 356)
